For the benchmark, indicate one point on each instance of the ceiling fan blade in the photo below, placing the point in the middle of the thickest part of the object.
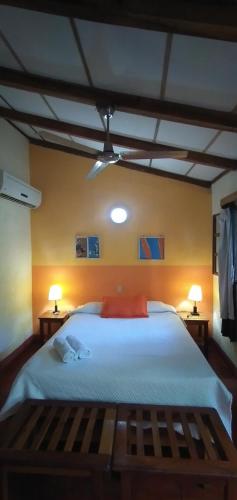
(57, 139)
(96, 169)
(140, 155)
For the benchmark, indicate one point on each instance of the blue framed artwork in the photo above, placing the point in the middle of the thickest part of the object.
(87, 247)
(93, 247)
(151, 247)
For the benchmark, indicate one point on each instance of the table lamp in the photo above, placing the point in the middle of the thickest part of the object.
(55, 293)
(195, 294)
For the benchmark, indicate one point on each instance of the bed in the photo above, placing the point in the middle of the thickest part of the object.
(150, 360)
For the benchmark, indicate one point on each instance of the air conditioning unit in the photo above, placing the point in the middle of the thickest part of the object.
(16, 190)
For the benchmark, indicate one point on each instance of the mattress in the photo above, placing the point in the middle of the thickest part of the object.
(150, 360)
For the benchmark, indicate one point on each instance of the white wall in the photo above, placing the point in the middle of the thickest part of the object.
(15, 248)
(225, 186)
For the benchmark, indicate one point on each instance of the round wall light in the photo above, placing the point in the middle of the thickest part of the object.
(118, 215)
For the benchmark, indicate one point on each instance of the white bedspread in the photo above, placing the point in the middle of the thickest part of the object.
(150, 360)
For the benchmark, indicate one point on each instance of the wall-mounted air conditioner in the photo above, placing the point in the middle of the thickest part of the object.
(16, 190)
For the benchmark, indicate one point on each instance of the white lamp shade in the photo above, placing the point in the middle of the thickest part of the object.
(195, 293)
(55, 292)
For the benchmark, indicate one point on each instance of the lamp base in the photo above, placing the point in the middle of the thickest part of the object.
(195, 311)
(55, 311)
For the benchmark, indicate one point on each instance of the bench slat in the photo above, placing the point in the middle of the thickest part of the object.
(204, 434)
(89, 431)
(139, 433)
(74, 429)
(55, 438)
(188, 437)
(43, 431)
(15, 426)
(223, 438)
(106, 440)
(155, 434)
(122, 437)
(29, 426)
(171, 433)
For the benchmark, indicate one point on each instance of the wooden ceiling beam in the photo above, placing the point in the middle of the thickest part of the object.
(119, 140)
(145, 106)
(125, 164)
(206, 19)
(229, 200)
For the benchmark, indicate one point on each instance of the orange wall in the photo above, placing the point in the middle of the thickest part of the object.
(82, 284)
(73, 205)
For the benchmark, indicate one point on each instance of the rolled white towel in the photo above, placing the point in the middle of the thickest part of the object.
(64, 349)
(80, 349)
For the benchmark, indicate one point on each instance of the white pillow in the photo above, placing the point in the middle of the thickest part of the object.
(89, 308)
(155, 306)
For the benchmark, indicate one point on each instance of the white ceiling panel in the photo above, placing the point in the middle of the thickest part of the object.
(118, 149)
(44, 43)
(170, 165)
(27, 130)
(205, 173)
(123, 59)
(132, 125)
(225, 145)
(145, 163)
(98, 145)
(27, 102)
(203, 72)
(6, 57)
(59, 134)
(185, 136)
(87, 142)
(74, 112)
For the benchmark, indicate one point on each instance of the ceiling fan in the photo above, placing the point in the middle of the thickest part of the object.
(108, 156)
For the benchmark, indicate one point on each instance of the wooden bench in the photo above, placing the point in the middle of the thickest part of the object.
(63, 438)
(147, 443)
(90, 439)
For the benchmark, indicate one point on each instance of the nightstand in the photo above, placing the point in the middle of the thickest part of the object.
(50, 319)
(198, 329)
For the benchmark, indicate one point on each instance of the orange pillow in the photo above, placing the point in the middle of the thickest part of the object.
(124, 307)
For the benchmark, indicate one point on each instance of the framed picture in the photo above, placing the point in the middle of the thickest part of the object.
(87, 247)
(151, 247)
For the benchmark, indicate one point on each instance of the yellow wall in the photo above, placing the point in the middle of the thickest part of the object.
(73, 205)
(15, 248)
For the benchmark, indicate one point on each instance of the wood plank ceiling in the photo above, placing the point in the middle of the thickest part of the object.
(167, 67)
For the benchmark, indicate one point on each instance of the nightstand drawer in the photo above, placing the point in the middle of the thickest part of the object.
(50, 322)
(198, 329)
